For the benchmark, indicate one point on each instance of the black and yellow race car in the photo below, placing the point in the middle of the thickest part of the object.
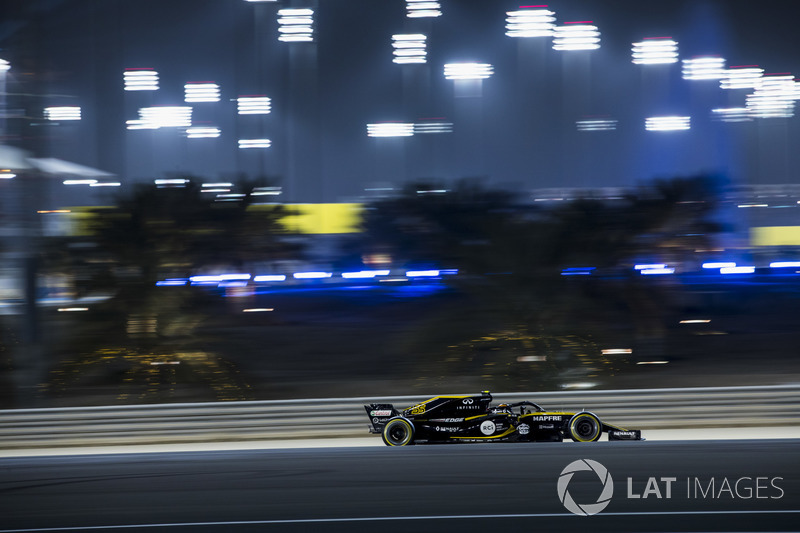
(473, 419)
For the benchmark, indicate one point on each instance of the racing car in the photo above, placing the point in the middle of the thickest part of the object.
(448, 419)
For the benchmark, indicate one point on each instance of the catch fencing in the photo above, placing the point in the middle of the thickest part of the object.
(345, 417)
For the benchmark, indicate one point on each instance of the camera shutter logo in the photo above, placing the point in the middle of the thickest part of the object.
(586, 509)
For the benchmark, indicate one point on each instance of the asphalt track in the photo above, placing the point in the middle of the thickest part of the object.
(732, 485)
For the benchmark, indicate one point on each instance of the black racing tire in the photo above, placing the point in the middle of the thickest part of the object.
(585, 427)
(398, 431)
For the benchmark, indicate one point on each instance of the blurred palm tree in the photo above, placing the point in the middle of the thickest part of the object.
(153, 234)
(511, 256)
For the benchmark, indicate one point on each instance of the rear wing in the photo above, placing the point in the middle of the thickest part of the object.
(379, 414)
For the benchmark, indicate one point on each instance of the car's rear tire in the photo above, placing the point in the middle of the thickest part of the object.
(585, 427)
(398, 431)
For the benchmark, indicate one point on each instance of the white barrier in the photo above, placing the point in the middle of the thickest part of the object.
(345, 417)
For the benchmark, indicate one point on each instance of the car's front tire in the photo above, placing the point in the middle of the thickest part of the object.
(398, 431)
(585, 427)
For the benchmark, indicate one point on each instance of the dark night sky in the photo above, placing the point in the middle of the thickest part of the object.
(520, 132)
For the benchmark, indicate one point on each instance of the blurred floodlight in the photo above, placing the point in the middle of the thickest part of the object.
(390, 129)
(422, 273)
(202, 132)
(153, 118)
(655, 51)
(269, 277)
(266, 191)
(312, 275)
(785, 264)
(423, 9)
(748, 77)
(140, 79)
(201, 92)
(695, 321)
(596, 125)
(62, 113)
(732, 114)
(260, 0)
(649, 266)
(576, 36)
(468, 71)
(617, 351)
(216, 184)
(773, 98)
(409, 48)
(296, 25)
(719, 264)
(738, 270)
(163, 183)
(4, 65)
(704, 68)
(253, 105)
(254, 143)
(657, 271)
(669, 123)
(80, 182)
(106, 184)
(530, 23)
(433, 127)
(364, 274)
(6, 174)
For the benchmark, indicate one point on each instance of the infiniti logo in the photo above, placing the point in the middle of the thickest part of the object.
(586, 509)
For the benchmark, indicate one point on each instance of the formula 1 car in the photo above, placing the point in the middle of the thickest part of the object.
(444, 419)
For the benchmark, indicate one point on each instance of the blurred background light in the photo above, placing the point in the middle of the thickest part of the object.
(576, 36)
(785, 264)
(468, 71)
(719, 264)
(409, 48)
(266, 191)
(773, 98)
(254, 143)
(704, 68)
(738, 270)
(201, 92)
(390, 129)
(153, 118)
(6, 174)
(253, 105)
(732, 114)
(746, 77)
(433, 127)
(596, 124)
(202, 132)
(62, 113)
(364, 274)
(79, 182)
(269, 277)
(312, 275)
(530, 23)
(669, 123)
(140, 79)
(423, 9)
(5, 66)
(296, 25)
(655, 51)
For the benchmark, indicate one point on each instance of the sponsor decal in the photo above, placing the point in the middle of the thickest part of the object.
(487, 427)
(448, 420)
(446, 429)
(546, 426)
(382, 412)
(586, 509)
(468, 407)
(546, 418)
(467, 401)
(523, 429)
(418, 409)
